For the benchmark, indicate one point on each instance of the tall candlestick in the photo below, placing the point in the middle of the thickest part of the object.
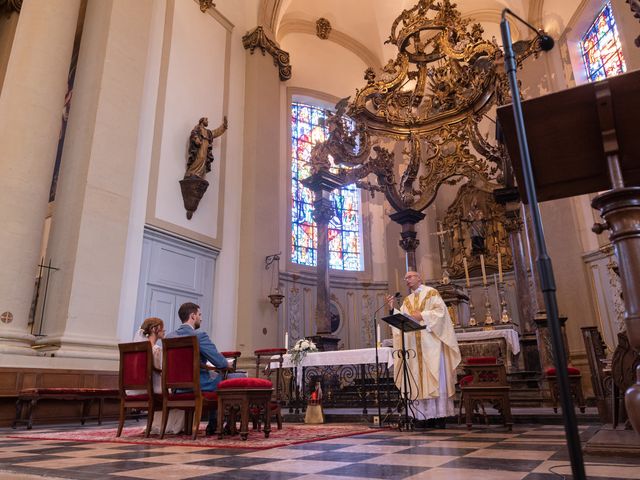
(466, 271)
(484, 272)
(378, 339)
(286, 340)
(397, 281)
(499, 266)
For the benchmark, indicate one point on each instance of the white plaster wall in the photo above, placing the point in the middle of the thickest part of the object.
(224, 321)
(131, 274)
(195, 88)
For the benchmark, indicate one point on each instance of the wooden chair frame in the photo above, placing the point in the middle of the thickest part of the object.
(275, 406)
(489, 383)
(198, 402)
(150, 403)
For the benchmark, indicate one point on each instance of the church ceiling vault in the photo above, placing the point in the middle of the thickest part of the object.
(366, 22)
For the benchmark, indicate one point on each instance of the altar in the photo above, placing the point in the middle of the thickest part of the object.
(348, 376)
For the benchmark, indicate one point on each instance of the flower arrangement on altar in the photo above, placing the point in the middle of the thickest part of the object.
(300, 350)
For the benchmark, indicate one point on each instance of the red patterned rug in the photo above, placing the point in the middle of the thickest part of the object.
(289, 435)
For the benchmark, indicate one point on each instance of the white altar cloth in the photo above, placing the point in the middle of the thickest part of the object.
(510, 336)
(338, 357)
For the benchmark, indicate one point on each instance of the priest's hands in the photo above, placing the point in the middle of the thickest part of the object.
(390, 299)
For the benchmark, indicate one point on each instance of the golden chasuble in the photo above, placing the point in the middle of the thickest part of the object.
(429, 345)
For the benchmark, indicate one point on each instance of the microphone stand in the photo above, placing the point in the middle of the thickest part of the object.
(545, 269)
(375, 342)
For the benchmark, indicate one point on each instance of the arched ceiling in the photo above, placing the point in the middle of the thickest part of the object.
(363, 25)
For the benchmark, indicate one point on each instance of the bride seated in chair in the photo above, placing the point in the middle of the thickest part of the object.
(152, 330)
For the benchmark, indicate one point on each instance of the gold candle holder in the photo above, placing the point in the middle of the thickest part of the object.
(472, 312)
(488, 319)
(504, 313)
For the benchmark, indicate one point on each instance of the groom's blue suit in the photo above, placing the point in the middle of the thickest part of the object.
(208, 352)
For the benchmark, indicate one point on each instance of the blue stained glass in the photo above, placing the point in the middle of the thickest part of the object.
(601, 50)
(307, 129)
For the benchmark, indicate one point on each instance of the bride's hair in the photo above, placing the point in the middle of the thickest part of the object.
(149, 324)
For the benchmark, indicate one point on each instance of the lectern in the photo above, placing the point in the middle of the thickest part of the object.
(405, 324)
(585, 140)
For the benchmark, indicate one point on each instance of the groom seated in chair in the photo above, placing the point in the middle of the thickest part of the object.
(191, 318)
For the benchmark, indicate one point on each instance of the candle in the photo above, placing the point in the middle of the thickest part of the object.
(484, 272)
(397, 281)
(499, 266)
(466, 271)
(377, 332)
(286, 340)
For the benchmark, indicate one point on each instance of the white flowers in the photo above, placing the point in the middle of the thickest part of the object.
(300, 350)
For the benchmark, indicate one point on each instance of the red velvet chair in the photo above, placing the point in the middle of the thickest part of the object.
(181, 370)
(575, 384)
(486, 380)
(135, 382)
(263, 368)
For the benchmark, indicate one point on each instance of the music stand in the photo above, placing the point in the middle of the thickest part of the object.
(405, 324)
(573, 132)
(586, 140)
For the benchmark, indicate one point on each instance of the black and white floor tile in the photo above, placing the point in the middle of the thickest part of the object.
(528, 453)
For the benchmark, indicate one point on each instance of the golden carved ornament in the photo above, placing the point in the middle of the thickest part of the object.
(258, 39)
(323, 28)
(206, 5)
(415, 126)
(10, 6)
(473, 214)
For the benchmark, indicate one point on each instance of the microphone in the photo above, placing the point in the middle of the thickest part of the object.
(545, 41)
(397, 295)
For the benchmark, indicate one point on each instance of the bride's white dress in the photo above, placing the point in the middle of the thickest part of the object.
(175, 422)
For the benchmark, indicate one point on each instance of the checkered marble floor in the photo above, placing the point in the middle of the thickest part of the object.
(491, 453)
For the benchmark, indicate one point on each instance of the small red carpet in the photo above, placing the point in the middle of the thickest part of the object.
(289, 435)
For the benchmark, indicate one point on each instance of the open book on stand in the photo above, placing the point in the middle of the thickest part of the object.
(403, 322)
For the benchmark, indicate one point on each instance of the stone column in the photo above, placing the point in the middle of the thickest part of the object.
(30, 113)
(408, 236)
(510, 198)
(322, 183)
(93, 201)
(260, 235)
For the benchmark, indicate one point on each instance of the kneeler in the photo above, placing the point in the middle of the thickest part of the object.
(486, 381)
(238, 396)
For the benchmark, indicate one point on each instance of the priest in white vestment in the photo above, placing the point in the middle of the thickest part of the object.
(432, 370)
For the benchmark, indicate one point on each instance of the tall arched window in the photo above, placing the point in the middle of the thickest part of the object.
(601, 50)
(345, 238)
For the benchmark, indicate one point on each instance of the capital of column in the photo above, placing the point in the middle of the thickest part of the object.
(323, 211)
(408, 241)
(257, 38)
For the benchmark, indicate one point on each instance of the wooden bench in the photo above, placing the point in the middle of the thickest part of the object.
(31, 396)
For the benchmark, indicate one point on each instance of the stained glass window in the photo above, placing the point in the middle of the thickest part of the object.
(345, 245)
(601, 50)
